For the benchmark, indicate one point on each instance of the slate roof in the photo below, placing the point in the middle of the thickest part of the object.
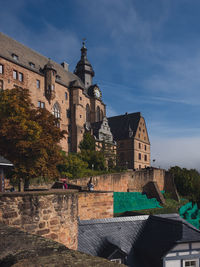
(5, 162)
(18, 248)
(9, 46)
(122, 124)
(145, 239)
(121, 232)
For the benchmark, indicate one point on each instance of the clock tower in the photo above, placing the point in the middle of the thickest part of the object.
(84, 69)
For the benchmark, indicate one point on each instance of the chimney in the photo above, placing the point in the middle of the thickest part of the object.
(65, 66)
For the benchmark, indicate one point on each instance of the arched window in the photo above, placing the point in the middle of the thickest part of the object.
(101, 118)
(98, 114)
(56, 110)
(87, 113)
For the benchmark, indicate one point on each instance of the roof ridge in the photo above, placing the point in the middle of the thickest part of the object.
(114, 219)
(34, 51)
(125, 114)
(178, 221)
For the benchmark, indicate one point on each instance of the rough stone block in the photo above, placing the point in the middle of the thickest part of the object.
(42, 225)
(43, 232)
(12, 214)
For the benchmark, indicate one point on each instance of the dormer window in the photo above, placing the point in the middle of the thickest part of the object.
(15, 57)
(58, 77)
(32, 65)
(116, 260)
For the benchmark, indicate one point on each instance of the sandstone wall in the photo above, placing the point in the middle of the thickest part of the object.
(117, 182)
(52, 215)
(92, 205)
(132, 181)
(140, 178)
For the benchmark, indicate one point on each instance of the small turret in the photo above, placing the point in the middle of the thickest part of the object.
(50, 78)
(84, 69)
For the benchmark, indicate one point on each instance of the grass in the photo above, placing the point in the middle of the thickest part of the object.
(170, 206)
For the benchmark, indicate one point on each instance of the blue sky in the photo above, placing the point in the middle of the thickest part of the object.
(146, 57)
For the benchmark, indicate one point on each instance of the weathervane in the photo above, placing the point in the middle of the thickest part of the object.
(84, 39)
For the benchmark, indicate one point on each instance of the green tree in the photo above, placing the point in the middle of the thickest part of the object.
(72, 166)
(187, 182)
(94, 159)
(29, 137)
(88, 142)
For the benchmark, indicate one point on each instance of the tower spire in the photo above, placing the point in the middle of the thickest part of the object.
(84, 50)
(83, 68)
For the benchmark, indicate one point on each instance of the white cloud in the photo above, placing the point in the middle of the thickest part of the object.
(183, 152)
(110, 112)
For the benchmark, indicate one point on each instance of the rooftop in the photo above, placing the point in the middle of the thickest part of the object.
(28, 58)
(153, 236)
(18, 248)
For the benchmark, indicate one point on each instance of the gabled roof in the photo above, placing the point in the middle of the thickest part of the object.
(122, 125)
(145, 239)
(9, 46)
(5, 162)
(18, 248)
(121, 232)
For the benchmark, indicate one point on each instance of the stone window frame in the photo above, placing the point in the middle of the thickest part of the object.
(98, 115)
(56, 110)
(1, 68)
(145, 157)
(101, 115)
(139, 156)
(66, 96)
(15, 75)
(139, 145)
(38, 84)
(41, 104)
(88, 113)
(20, 76)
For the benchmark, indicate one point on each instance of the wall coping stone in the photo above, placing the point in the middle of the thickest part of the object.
(40, 193)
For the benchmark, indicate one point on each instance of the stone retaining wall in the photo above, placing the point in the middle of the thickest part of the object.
(49, 214)
(94, 205)
(54, 214)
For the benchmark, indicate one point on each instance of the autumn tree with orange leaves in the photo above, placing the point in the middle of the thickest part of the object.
(29, 137)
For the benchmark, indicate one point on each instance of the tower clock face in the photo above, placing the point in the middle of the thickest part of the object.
(97, 93)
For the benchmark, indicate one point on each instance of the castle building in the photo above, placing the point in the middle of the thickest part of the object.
(74, 99)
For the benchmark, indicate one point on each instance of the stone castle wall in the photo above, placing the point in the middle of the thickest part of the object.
(95, 205)
(47, 214)
(132, 181)
(140, 178)
(117, 182)
(54, 214)
(128, 181)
